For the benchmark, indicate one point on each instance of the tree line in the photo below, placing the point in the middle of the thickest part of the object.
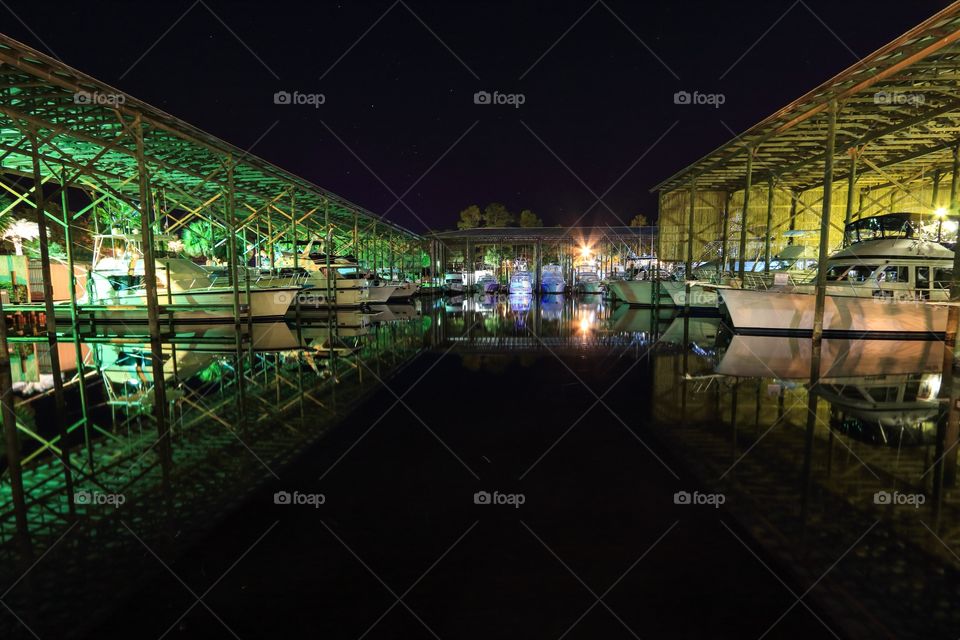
(496, 214)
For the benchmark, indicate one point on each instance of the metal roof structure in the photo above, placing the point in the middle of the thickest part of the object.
(532, 234)
(898, 107)
(80, 124)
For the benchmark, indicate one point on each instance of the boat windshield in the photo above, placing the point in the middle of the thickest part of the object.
(891, 225)
(349, 273)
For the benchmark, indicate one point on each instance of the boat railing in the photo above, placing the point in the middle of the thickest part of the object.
(765, 281)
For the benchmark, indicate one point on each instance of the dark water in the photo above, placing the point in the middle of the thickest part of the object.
(582, 423)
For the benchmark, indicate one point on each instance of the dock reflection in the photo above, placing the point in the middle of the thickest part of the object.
(245, 400)
(818, 481)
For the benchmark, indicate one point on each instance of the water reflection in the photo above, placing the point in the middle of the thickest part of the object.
(733, 408)
(820, 463)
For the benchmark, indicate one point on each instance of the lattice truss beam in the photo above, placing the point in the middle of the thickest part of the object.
(900, 107)
(85, 134)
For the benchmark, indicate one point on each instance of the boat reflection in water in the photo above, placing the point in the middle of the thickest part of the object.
(519, 302)
(551, 307)
(880, 392)
(127, 368)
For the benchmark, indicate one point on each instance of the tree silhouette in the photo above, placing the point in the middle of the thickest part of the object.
(528, 219)
(497, 215)
(470, 218)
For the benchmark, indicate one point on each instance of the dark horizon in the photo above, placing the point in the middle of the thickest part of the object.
(399, 83)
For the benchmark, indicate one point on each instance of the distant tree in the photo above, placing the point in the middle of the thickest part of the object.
(497, 215)
(529, 219)
(20, 231)
(470, 218)
(639, 220)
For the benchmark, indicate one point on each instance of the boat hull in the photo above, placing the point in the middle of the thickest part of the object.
(552, 287)
(785, 312)
(588, 287)
(522, 288)
(316, 298)
(404, 291)
(699, 297)
(380, 293)
(269, 303)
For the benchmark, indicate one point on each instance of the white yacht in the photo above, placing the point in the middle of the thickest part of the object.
(641, 293)
(587, 282)
(348, 286)
(551, 279)
(521, 282)
(487, 284)
(875, 286)
(453, 283)
(380, 291)
(118, 281)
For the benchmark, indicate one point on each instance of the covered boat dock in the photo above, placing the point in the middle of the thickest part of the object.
(879, 137)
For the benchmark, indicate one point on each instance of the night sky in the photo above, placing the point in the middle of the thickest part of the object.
(399, 107)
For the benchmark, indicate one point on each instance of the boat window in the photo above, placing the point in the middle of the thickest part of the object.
(923, 277)
(859, 272)
(885, 394)
(942, 277)
(837, 272)
(120, 283)
(911, 391)
(849, 392)
(894, 274)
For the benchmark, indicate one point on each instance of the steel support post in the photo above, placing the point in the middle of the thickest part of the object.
(470, 266)
(12, 443)
(766, 239)
(688, 266)
(74, 322)
(792, 224)
(817, 337)
(851, 189)
(376, 251)
(656, 263)
(948, 424)
(724, 238)
(537, 264)
(296, 251)
(331, 294)
(270, 239)
(390, 242)
(742, 253)
(153, 310)
(935, 196)
(39, 201)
